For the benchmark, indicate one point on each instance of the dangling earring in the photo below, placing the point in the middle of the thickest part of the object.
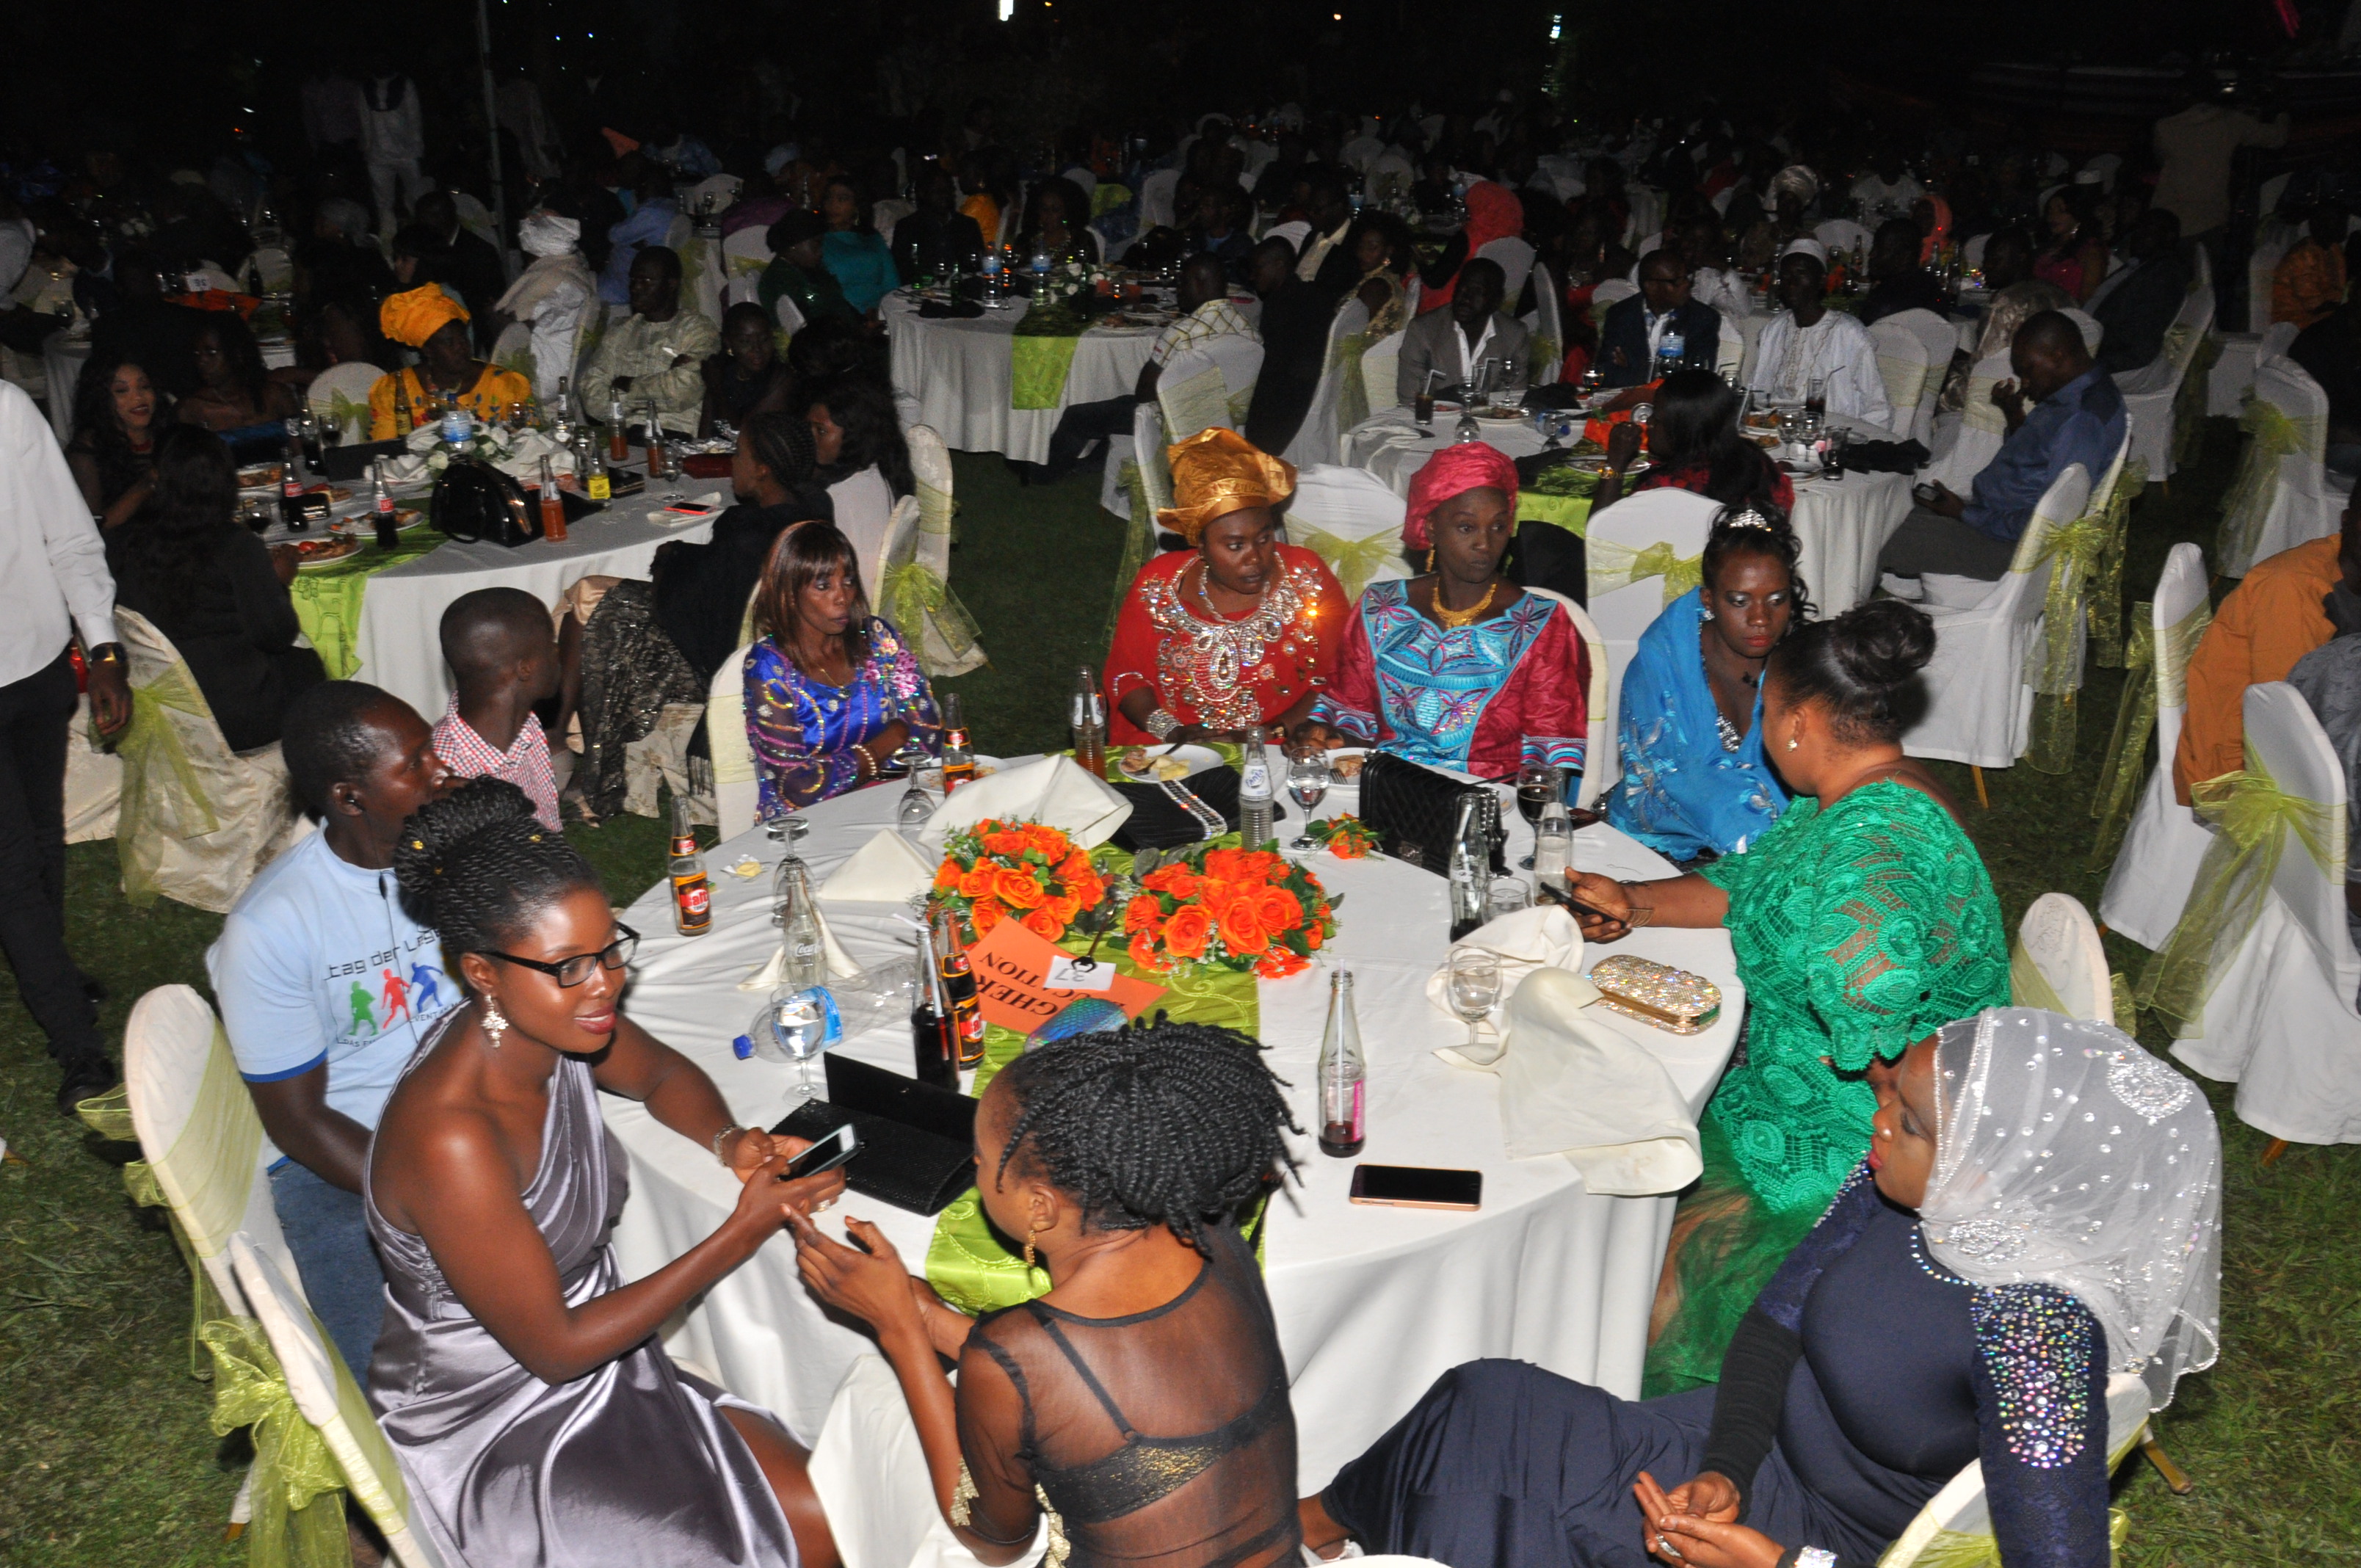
(1429, 559)
(495, 1024)
(1030, 1231)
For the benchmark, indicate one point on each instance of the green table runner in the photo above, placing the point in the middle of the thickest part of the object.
(328, 599)
(1562, 496)
(1037, 370)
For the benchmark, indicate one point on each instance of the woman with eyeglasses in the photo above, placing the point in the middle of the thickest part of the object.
(538, 1416)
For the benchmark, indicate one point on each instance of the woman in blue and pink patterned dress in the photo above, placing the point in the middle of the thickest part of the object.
(832, 691)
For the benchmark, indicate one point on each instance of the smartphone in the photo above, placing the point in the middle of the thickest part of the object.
(1418, 1186)
(826, 1155)
(1569, 902)
(1928, 495)
(690, 508)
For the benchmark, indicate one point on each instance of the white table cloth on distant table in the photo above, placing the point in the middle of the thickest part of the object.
(1842, 524)
(952, 373)
(1372, 1303)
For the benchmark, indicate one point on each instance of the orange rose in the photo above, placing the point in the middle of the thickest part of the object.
(1015, 889)
(1049, 840)
(1143, 913)
(1062, 910)
(1227, 864)
(1177, 880)
(1008, 846)
(985, 915)
(1312, 936)
(1089, 889)
(1242, 929)
(1075, 867)
(1278, 909)
(1043, 924)
(1186, 932)
(1143, 951)
(946, 876)
(1265, 865)
(977, 884)
(1280, 964)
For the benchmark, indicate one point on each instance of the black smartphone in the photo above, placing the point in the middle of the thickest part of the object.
(1567, 901)
(1418, 1186)
(826, 1155)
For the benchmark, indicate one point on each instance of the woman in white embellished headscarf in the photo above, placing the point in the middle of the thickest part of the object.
(551, 295)
(2041, 1210)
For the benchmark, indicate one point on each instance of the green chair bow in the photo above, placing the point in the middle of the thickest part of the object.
(163, 794)
(1356, 562)
(2153, 677)
(2105, 608)
(2252, 819)
(1616, 567)
(2054, 666)
(1138, 539)
(920, 603)
(2274, 435)
(298, 1487)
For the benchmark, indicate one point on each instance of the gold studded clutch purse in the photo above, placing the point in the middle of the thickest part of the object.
(1672, 1000)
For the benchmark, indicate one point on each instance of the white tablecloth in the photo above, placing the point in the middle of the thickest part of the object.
(1372, 1303)
(953, 375)
(1842, 524)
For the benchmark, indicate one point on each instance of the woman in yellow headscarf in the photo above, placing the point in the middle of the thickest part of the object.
(435, 324)
(1239, 630)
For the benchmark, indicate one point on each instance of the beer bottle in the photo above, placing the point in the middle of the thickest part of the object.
(618, 445)
(552, 505)
(959, 987)
(402, 422)
(959, 756)
(933, 1036)
(290, 491)
(692, 894)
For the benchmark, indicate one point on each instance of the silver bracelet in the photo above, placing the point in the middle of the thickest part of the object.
(1160, 724)
(730, 1131)
(1816, 1557)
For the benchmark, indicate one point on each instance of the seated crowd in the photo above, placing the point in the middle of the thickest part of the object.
(425, 997)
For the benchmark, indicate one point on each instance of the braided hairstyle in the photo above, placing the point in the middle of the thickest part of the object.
(477, 866)
(1765, 530)
(1165, 1124)
(1863, 665)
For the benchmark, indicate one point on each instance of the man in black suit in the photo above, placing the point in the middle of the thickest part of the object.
(1636, 329)
(937, 237)
(1327, 261)
(2136, 303)
(1294, 327)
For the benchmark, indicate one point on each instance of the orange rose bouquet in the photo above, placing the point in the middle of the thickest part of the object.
(1018, 871)
(1235, 909)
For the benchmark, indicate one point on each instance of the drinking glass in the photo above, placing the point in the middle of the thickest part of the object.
(1507, 895)
(1307, 783)
(799, 1026)
(670, 455)
(917, 805)
(332, 430)
(1536, 786)
(1473, 987)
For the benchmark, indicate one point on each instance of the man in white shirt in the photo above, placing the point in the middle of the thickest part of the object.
(1205, 313)
(1810, 343)
(53, 583)
(1886, 191)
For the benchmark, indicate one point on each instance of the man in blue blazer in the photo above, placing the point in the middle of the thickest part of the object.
(1636, 328)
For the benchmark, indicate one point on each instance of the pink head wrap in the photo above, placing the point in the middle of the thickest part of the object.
(1454, 471)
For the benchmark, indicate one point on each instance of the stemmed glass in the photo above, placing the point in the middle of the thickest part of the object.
(1536, 784)
(917, 805)
(1307, 783)
(1473, 987)
(799, 1026)
(671, 456)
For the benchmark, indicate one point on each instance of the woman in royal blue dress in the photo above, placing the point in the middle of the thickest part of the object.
(833, 691)
(1696, 783)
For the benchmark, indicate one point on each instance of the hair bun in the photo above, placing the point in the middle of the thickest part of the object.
(434, 836)
(1885, 642)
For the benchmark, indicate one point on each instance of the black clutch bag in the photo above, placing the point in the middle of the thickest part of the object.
(1414, 811)
(1163, 817)
(917, 1142)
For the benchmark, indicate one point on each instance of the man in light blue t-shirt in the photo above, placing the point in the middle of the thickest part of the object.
(326, 985)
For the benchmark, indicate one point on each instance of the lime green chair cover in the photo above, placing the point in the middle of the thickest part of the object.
(1351, 391)
(2189, 403)
(2152, 676)
(2273, 434)
(2053, 666)
(2253, 820)
(297, 1490)
(1356, 562)
(2106, 611)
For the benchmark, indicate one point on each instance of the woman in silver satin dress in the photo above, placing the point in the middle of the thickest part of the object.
(523, 1382)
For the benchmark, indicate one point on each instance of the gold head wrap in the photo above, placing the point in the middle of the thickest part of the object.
(1216, 472)
(411, 319)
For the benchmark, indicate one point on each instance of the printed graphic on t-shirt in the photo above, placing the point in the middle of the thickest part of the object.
(376, 993)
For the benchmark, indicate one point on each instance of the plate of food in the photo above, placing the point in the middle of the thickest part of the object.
(1502, 414)
(1160, 764)
(1345, 765)
(310, 553)
(261, 475)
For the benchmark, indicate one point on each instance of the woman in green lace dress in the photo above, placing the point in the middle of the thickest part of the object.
(1860, 920)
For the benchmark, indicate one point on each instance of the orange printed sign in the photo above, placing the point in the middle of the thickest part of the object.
(1012, 968)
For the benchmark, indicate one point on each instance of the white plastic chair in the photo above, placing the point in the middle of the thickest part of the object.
(1961, 448)
(1352, 521)
(1623, 611)
(1155, 199)
(326, 1396)
(1979, 709)
(199, 853)
(1842, 234)
(2149, 884)
(930, 466)
(1315, 439)
(2276, 339)
(1902, 367)
(1611, 291)
(1548, 323)
(2303, 503)
(343, 390)
(277, 268)
(864, 514)
(1955, 1527)
(715, 190)
(2058, 963)
(735, 792)
(2279, 1019)
(2148, 391)
(475, 217)
(884, 214)
(1941, 335)
(1515, 258)
(790, 314)
(1600, 767)
(1729, 349)
(1972, 254)
(1380, 367)
(745, 256)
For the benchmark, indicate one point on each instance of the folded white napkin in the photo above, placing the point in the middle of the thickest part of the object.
(1572, 1083)
(840, 962)
(1055, 792)
(1545, 937)
(886, 870)
(523, 461)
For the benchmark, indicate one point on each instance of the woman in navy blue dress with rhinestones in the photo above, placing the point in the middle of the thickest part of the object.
(2039, 1208)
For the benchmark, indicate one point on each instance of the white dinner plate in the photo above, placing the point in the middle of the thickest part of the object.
(1199, 759)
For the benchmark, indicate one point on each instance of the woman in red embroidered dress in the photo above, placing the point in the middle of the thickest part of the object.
(1238, 630)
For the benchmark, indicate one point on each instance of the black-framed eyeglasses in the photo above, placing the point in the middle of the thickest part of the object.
(573, 972)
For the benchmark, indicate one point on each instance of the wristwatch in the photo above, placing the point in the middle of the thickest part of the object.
(106, 654)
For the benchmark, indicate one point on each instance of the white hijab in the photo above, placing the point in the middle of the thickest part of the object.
(2067, 1155)
(550, 240)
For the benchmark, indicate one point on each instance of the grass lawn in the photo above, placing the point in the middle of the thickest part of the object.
(107, 1456)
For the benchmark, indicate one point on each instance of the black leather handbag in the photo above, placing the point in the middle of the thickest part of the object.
(1414, 811)
(473, 500)
(1164, 818)
(917, 1142)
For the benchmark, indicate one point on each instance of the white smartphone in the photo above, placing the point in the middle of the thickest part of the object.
(826, 1155)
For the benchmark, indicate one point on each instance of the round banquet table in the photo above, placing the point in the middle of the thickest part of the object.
(1372, 1303)
(952, 373)
(1842, 524)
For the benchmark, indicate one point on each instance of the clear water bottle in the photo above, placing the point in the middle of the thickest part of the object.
(1671, 350)
(1344, 1074)
(1553, 845)
(1040, 269)
(1258, 822)
(1471, 876)
(992, 279)
(800, 941)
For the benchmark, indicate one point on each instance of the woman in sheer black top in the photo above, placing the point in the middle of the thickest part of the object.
(1142, 1403)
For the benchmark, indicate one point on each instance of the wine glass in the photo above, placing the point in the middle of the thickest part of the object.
(1307, 783)
(332, 430)
(799, 1027)
(1474, 988)
(670, 453)
(917, 805)
(1536, 786)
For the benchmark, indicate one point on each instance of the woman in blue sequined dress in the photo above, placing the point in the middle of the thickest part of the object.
(2039, 1210)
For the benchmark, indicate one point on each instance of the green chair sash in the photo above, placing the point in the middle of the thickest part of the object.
(163, 794)
(2054, 665)
(2252, 819)
(1037, 370)
(921, 604)
(1138, 539)
(2106, 608)
(1351, 391)
(1356, 562)
(2152, 678)
(297, 1485)
(2029, 987)
(2273, 435)
(2188, 404)
(1616, 567)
